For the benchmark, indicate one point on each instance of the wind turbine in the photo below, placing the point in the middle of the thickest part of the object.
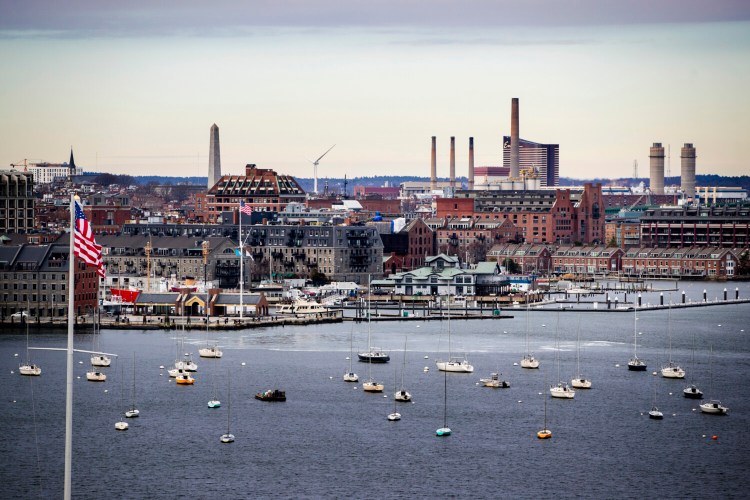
(315, 168)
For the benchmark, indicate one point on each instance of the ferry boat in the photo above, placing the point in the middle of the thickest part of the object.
(301, 308)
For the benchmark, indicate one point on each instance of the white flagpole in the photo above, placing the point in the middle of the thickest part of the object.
(69, 378)
(242, 258)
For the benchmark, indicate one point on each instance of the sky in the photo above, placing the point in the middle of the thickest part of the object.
(134, 87)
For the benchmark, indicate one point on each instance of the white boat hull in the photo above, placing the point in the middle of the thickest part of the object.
(121, 426)
(581, 383)
(188, 366)
(100, 361)
(351, 377)
(394, 416)
(714, 408)
(372, 387)
(132, 413)
(96, 376)
(227, 438)
(443, 431)
(529, 362)
(214, 403)
(562, 391)
(210, 352)
(31, 370)
(455, 366)
(402, 395)
(672, 372)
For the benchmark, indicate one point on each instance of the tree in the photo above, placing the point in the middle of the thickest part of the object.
(743, 264)
(612, 243)
(319, 278)
(511, 266)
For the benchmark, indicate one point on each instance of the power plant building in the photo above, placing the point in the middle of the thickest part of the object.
(544, 158)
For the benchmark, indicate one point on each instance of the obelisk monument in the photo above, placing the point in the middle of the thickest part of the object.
(214, 158)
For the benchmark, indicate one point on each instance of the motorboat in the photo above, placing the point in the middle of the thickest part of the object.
(271, 395)
(714, 407)
(302, 308)
(494, 381)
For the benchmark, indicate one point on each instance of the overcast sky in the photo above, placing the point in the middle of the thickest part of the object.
(135, 88)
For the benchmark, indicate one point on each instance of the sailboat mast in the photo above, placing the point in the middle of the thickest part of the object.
(69, 372)
(242, 258)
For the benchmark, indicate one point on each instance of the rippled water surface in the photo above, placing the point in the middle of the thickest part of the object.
(331, 439)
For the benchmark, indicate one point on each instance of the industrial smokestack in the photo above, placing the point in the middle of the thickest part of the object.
(214, 157)
(514, 169)
(453, 163)
(433, 166)
(656, 168)
(687, 170)
(471, 163)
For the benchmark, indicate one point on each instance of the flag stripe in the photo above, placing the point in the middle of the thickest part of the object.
(84, 244)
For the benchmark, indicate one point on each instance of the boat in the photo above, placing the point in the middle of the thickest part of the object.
(228, 437)
(395, 415)
(94, 375)
(561, 390)
(100, 360)
(186, 363)
(528, 360)
(444, 431)
(494, 381)
(372, 354)
(210, 352)
(545, 433)
(176, 372)
(655, 414)
(121, 425)
(271, 395)
(692, 391)
(636, 364)
(27, 367)
(454, 363)
(402, 394)
(579, 382)
(713, 406)
(672, 369)
(133, 411)
(302, 308)
(213, 402)
(184, 379)
(350, 376)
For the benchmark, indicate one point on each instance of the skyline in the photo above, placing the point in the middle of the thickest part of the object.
(136, 90)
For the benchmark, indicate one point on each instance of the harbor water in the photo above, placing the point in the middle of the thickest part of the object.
(330, 439)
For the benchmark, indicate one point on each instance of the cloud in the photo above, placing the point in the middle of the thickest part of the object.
(140, 18)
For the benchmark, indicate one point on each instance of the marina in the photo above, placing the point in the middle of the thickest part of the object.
(488, 427)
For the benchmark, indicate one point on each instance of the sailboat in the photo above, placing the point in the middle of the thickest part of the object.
(655, 413)
(350, 376)
(528, 361)
(545, 433)
(713, 406)
(692, 391)
(121, 425)
(402, 395)
(372, 354)
(672, 369)
(395, 415)
(133, 411)
(561, 390)
(210, 351)
(454, 363)
(98, 359)
(579, 382)
(444, 431)
(94, 375)
(228, 437)
(635, 364)
(27, 367)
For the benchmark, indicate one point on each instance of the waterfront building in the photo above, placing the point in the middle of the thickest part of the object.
(531, 258)
(686, 262)
(406, 248)
(587, 260)
(696, 226)
(34, 278)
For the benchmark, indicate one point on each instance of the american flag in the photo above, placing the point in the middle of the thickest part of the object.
(84, 244)
(246, 209)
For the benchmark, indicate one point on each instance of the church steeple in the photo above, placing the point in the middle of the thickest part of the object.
(71, 165)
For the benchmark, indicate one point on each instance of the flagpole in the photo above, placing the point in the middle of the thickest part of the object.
(242, 258)
(69, 377)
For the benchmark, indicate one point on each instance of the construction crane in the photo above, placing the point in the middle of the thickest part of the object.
(315, 168)
(25, 165)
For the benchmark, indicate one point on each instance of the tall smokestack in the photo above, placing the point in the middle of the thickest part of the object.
(514, 170)
(453, 163)
(687, 170)
(433, 166)
(656, 168)
(471, 163)
(214, 157)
